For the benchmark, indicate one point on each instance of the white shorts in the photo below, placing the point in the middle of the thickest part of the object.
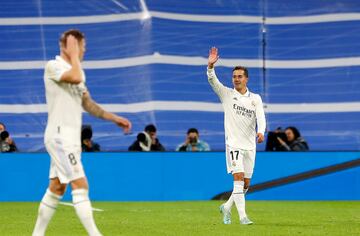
(65, 161)
(239, 160)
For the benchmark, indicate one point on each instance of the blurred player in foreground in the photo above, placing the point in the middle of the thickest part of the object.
(243, 112)
(66, 97)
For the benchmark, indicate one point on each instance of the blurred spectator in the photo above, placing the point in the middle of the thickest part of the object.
(87, 145)
(193, 143)
(6, 143)
(272, 143)
(288, 140)
(147, 141)
(142, 143)
(155, 143)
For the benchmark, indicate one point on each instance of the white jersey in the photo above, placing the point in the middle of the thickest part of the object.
(242, 113)
(64, 104)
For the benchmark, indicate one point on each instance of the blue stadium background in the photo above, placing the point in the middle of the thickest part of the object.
(185, 80)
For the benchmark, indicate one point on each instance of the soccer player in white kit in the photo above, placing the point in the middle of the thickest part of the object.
(66, 97)
(243, 113)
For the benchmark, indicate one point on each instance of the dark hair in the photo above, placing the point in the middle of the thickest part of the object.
(3, 134)
(141, 137)
(150, 128)
(86, 132)
(243, 68)
(74, 32)
(192, 130)
(295, 131)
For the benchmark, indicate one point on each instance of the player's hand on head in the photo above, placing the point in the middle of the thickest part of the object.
(72, 46)
(213, 56)
(260, 137)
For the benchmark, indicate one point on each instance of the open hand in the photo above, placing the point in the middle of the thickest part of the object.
(213, 57)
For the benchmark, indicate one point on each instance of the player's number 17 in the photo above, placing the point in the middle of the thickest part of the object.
(232, 155)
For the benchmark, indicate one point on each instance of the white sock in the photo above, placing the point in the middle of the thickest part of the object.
(228, 205)
(47, 209)
(84, 211)
(239, 199)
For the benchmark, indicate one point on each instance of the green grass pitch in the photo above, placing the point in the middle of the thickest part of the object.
(192, 218)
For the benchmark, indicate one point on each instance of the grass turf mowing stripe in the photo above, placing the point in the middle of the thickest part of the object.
(192, 218)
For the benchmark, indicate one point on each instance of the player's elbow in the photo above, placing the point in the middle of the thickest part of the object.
(76, 80)
(72, 78)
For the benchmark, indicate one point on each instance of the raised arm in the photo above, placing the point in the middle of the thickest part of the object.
(94, 109)
(217, 86)
(74, 75)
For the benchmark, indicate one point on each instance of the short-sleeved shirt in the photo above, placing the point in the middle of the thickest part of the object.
(64, 103)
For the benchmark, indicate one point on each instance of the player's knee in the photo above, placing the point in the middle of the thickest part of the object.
(79, 184)
(238, 176)
(58, 189)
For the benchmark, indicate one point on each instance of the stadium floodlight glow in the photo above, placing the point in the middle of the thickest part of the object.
(145, 12)
(145, 15)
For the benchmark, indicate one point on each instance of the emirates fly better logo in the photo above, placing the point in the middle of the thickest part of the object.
(240, 110)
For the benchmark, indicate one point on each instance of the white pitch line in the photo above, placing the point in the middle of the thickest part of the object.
(72, 205)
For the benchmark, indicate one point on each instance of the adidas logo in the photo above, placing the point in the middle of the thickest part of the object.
(235, 98)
